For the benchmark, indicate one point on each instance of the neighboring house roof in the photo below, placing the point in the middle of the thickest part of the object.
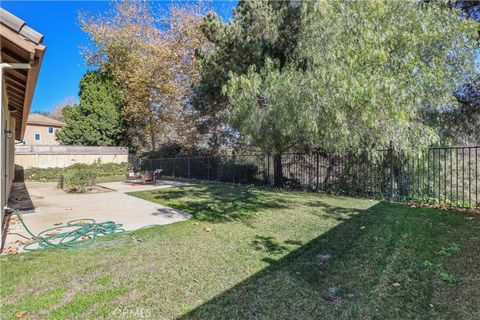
(19, 44)
(40, 119)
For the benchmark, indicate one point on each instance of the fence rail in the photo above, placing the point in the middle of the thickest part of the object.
(443, 175)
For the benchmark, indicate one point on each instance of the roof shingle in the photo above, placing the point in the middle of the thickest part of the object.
(18, 25)
(36, 118)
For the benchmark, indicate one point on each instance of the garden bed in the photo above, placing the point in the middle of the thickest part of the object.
(92, 189)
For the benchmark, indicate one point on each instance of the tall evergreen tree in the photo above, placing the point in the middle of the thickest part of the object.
(259, 30)
(357, 74)
(460, 122)
(96, 121)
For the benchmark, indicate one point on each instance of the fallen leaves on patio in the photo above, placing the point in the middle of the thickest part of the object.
(23, 242)
(10, 250)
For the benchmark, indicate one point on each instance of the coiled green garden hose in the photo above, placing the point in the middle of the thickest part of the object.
(79, 233)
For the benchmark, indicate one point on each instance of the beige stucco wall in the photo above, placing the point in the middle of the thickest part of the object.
(46, 138)
(10, 154)
(3, 165)
(7, 151)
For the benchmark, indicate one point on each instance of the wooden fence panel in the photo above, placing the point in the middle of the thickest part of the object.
(64, 156)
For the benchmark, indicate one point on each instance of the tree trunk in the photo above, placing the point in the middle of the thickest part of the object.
(154, 141)
(277, 170)
(328, 174)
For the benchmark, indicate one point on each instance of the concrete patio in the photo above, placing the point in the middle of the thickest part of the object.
(53, 206)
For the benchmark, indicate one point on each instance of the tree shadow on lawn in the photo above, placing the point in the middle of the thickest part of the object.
(347, 272)
(224, 203)
(219, 203)
(328, 211)
(272, 246)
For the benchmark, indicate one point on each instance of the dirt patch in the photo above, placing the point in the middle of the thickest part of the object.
(92, 189)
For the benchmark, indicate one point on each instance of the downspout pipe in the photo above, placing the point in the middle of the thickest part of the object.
(3, 142)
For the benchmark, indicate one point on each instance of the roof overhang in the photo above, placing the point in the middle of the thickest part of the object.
(19, 44)
(46, 124)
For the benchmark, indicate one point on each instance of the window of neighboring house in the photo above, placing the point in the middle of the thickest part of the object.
(50, 129)
(37, 137)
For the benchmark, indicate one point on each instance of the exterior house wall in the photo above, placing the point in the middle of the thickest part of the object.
(10, 154)
(16, 90)
(46, 138)
(7, 150)
(3, 158)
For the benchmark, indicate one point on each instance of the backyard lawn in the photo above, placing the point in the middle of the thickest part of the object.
(256, 254)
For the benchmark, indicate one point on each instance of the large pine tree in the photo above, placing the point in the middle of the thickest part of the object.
(259, 30)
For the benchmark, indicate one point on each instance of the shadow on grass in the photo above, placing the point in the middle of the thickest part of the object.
(215, 203)
(346, 272)
(269, 244)
(331, 212)
(224, 203)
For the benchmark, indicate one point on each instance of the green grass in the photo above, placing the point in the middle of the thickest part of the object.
(256, 254)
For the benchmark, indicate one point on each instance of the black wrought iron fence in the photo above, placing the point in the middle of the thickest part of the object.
(448, 175)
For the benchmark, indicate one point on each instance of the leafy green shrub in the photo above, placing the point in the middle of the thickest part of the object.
(79, 177)
(43, 174)
(244, 173)
(110, 169)
(103, 171)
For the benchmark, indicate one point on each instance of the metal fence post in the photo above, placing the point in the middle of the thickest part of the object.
(188, 158)
(208, 168)
(392, 174)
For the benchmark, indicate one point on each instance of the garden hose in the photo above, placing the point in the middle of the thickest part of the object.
(79, 233)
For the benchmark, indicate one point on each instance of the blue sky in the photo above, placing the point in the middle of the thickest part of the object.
(63, 65)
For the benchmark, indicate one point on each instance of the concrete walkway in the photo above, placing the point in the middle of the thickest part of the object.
(53, 206)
